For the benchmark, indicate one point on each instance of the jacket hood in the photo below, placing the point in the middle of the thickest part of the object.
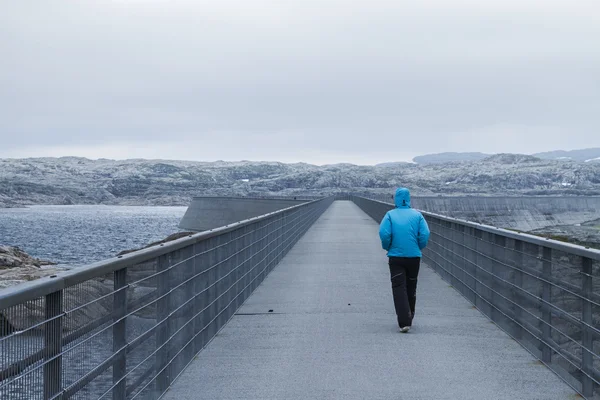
(402, 198)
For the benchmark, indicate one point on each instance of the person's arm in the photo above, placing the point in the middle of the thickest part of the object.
(385, 232)
(423, 236)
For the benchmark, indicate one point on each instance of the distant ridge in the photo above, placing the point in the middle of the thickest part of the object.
(582, 155)
(163, 182)
(509, 158)
(442, 158)
(391, 164)
(575, 155)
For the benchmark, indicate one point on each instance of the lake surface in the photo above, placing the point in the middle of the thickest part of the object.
(75, 236)
(81, 234)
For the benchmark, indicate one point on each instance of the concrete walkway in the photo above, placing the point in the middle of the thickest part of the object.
(333, 334)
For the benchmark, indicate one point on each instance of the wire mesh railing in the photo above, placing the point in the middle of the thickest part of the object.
(125, 328)
(543, 293)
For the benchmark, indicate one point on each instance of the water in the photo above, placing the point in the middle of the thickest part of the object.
(81, 234)
(74, 236)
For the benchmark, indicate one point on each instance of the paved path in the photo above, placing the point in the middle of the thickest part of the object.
(333, 335)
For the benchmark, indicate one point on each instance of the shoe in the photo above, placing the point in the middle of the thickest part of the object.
(405, 329)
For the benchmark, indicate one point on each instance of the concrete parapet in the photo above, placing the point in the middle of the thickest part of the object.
(521, 213)
(206, 213)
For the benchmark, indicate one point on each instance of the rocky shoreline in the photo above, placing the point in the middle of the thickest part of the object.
(16, 267)
(586, 234)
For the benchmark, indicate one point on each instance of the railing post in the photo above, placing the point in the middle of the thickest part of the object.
(162, 332)
(119, 333)
(475, 238)
(471, 259)
(516, 294)
(487, 265)
(209, 294)
(499, 254)
(218, 307)
(283, 234)
(201, 263)
(448, 252)
(247, 245)
(279, 225)
(435, 245)
(261, 270)
(459, 259)
(546, 297)
(269, 235)
(53, 344)
(441, 254)
(186, 336)
(453, 278)
(587, 339)
(238, 262)
(229, 305)
(480, 260)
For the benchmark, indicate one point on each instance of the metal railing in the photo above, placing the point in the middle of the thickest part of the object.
(125, 328)
(543, 293)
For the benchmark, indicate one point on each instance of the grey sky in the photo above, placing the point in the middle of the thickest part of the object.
(317, 81)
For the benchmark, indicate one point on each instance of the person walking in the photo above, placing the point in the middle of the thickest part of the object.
(404, 233)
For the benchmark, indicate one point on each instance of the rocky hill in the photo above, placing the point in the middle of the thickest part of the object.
(442, 158)
(159, 182)
(583, 155)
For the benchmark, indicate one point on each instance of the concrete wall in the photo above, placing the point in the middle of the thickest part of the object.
(522, 213)
(206, 213)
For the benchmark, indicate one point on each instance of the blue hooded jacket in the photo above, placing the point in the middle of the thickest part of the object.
(403, 231)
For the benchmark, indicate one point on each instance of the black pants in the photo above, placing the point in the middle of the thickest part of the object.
(404, 272)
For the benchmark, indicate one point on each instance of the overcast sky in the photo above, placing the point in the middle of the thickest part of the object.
(320, 81)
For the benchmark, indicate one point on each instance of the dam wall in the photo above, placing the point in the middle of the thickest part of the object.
(520, 213)
(205, 213)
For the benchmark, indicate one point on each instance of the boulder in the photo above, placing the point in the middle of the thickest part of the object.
(16, 266)
(13, 257)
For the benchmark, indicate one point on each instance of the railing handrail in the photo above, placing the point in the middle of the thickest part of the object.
(524, 237)
(291, 198)
(536, 197)
(22, 292)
